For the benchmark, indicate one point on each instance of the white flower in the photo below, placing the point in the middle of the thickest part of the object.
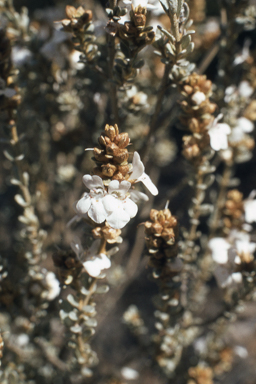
(244, 55)
(53, 286)
(225, 256)
(225, 278)
(120, 207)
(198, 97)
(244, 89)
(137, 98)
(92, 203)
(238, 132)
(129, 373)
(245, 125)
(218, 133)
(96, 263)
(138, 174)
(244, 247)
(250, 208)
(219, 248)
(142, 3)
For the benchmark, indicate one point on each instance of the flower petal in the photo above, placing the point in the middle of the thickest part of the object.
(137, 167)
(145, 179)
(137, 195)
(250, 210)
(118, 219)
(245, 124)
(110, 203)
(97, 211)
(105, 261)
(130, 207)
(92, 182)
(219, 248)
(93, 267)
(83, 204)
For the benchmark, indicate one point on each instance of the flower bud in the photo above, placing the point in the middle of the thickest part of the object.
(122, 140)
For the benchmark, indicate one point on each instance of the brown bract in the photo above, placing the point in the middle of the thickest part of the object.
(76, 18)
(107, 233)
(200, 375)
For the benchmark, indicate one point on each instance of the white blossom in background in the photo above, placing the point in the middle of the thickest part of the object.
(137, 98)
(232, 93)
(244, 89)
(96, 263)
(218, 133)
(225, 257)
(198, 97)
(53, 286)
(129, 373)
(219, 248)
(238, 133)
(244, 55)
(142, 3)
(244, 247)
(250, 208)
(138, 174)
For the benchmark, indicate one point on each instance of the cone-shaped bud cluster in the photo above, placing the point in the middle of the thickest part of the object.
(197, 114)
(107, 233)
(161, 236)
(233, 210)
(76, 18)
(138, 16)
(112, 156)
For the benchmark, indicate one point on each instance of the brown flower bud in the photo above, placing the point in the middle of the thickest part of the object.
(122, 140)
(168, 234)
(121, 156)
(193, 125)
(123, 169)
(99, 154)
(156, 228)
(108, 170)
(118, 176)
(97, 233)
(139, 20)
(153, 215)
(188, 89)
(112, 149)
(111, 131)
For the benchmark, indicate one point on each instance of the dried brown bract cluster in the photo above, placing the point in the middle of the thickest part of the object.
(233, 210)
(200, 375)
(197, 115)
(77, 19)
(112, 156)
(107, 233)
(135, 31)
(161, 238)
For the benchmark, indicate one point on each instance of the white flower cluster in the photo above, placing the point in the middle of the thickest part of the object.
(228, 254)
(115, 202)
(218, 133)
(237, 248)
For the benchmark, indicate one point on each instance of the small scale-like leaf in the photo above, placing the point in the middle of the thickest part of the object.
(72, 301)
(76, 328)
